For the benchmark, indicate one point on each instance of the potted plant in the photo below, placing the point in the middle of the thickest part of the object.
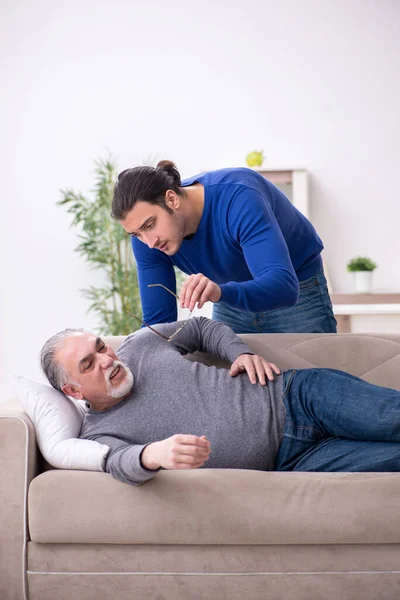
(106, 246)
(362, 268)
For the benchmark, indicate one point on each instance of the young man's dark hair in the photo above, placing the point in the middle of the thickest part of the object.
(147, 184)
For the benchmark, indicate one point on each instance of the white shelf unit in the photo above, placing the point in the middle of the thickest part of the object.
(293, 183)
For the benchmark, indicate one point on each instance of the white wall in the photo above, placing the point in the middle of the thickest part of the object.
(315, 84)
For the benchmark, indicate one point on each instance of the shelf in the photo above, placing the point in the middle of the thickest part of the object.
(366, 309)
(346, 306)
(376, 298)
(293, 183)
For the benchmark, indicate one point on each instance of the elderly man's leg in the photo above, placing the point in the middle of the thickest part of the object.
(323, 404)
(341, 405)
(335, 454)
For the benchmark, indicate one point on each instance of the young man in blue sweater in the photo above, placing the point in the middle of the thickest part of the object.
(245, 247)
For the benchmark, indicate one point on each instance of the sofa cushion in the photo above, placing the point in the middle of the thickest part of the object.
(216, 506)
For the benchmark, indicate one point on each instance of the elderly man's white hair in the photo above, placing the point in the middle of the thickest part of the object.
(54, 372)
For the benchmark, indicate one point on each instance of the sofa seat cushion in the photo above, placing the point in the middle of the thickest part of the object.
(216, 506)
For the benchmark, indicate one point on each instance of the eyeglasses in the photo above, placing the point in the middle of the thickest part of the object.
(165, 337)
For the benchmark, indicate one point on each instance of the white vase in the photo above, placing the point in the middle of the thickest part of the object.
(363, 280)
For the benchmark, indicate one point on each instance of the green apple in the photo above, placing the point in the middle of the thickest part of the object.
(255, 158)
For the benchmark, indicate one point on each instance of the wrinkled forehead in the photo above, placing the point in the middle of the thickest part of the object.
(74, 348)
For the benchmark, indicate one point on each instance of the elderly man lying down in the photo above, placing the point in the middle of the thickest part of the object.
(157, 410)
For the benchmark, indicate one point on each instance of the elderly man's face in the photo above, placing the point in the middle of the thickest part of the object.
(94, 370)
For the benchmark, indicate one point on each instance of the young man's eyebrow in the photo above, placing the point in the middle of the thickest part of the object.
(98, 343)
(142, 226)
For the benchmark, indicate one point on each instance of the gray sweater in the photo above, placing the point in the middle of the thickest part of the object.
(243, 421)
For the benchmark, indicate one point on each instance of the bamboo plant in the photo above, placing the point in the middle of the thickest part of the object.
(105, 246)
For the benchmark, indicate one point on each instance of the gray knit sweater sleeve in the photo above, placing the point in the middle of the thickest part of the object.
(123, 461)
(205, 335)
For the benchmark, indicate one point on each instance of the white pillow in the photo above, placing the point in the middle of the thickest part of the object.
(57, 420)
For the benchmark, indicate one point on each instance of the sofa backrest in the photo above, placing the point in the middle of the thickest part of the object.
(373, 357)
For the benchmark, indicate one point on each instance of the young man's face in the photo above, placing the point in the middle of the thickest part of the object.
(100, 376)
(155, 226)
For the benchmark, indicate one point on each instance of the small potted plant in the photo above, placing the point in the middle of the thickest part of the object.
(362, 268)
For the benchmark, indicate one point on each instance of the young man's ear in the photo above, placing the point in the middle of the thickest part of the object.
(172, 199)
(73, 391)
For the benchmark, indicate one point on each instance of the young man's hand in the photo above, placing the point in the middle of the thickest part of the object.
(198, 288)
(256, 367)
(179, 451)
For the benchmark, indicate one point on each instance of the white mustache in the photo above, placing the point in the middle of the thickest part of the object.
(116, 363)
(123, 388)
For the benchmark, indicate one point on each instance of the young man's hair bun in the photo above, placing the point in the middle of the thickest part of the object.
(170, 169)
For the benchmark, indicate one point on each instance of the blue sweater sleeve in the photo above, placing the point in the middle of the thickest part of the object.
(153, 266)
(253, 227)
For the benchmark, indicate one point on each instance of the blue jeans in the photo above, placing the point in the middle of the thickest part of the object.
(338, 422)
(312, 314)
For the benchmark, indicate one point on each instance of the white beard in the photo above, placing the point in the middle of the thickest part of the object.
(123, 389)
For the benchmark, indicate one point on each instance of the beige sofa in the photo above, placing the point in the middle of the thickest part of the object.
(207, 533)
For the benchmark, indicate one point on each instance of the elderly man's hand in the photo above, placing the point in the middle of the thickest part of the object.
(256, 366)
(180, 451)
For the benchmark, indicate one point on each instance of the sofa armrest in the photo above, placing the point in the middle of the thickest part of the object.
(18, 466)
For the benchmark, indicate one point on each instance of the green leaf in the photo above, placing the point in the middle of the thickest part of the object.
(103, 244)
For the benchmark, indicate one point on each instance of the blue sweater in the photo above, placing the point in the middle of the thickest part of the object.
(251, 241)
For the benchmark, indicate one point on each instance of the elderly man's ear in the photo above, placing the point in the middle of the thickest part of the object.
(73, 391)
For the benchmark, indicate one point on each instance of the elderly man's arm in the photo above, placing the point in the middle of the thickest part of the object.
(179, 451)
(137, 463)
(200, 334)
(205, 335)
(123, 460)
(124, 463)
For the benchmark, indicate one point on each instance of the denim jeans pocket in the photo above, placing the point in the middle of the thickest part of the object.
(303, 433)
(287, 381)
